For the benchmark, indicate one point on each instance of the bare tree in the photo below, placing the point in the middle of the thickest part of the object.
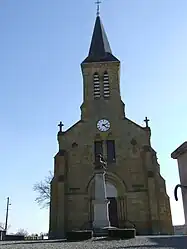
(22, 232)
(43, 190)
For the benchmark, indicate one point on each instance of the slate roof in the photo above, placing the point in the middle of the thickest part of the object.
(100, 50)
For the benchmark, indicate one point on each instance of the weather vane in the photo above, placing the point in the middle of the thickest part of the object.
(98, 2)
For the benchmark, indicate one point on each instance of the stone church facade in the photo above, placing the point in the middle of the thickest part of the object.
(135, 187)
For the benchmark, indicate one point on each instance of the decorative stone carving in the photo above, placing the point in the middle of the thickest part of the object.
(100, 163)
(74, 145)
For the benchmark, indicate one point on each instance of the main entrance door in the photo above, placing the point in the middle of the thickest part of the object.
(113, 212)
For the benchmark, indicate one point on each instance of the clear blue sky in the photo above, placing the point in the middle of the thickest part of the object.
(41, 47)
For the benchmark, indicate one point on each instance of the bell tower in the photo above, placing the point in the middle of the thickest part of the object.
(101, 78)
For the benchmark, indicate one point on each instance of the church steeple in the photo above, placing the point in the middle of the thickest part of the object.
(100, 50)
(101, 79)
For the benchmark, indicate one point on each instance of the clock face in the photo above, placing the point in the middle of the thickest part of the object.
(103, 125)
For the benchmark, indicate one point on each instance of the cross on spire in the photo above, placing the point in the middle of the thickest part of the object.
(60, 125)
(146, 120)
(98, 2)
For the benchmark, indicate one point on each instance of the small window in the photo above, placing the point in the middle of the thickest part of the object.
(111, 154)
(106, 89)
(98, 148)
(96, 86)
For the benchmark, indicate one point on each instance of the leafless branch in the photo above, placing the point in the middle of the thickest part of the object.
(43, 190)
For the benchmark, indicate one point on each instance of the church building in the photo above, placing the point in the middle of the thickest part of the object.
(134, 185)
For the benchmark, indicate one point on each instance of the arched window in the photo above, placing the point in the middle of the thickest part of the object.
(96, 86)
(111, 154)
(106, 89)
(98, 148)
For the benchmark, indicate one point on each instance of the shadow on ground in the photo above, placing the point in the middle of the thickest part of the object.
(175, 242)
(6, 243)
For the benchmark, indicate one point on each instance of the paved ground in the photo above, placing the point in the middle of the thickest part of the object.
(151, 242)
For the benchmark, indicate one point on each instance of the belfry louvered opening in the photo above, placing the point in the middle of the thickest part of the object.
(96, 82)
(106, 88)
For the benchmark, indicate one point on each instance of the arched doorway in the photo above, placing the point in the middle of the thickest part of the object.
(112, 194)
(116, 193)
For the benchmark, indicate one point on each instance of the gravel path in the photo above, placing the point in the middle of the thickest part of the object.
(151, 242)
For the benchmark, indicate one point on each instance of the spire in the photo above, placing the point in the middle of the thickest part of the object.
(100, 50)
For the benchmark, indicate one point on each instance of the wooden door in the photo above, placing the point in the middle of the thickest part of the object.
(113, 211)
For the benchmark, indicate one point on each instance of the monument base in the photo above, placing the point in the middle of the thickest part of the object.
(101, 216)
(117, 233)
(79, 235)
(99, 232)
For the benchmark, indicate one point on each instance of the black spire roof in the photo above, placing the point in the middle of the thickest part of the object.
(100, 50)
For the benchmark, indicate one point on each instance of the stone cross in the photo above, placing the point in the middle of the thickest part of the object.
(60, 125)
(146, 122)
(98, 7)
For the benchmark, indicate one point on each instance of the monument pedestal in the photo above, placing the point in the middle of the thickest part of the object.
(101, 214)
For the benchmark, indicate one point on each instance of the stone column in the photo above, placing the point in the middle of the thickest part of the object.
(181, 155)
(101, 214)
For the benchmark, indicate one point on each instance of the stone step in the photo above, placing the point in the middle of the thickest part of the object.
(99, 232)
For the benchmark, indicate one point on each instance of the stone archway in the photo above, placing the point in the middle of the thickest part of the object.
(116, 192)
(111, 190)
(111, 178)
